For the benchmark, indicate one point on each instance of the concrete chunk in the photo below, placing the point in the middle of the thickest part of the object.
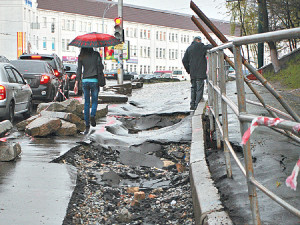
(112, 98)
(67, 129)
(22, 125)
(43, 126)
(70, 117)
(5, 126)
(102, 110)
(9, 152)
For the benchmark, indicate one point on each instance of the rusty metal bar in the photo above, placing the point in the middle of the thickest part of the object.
(215, 97)
(275, 197)
(224, 112)
(285, 125)
(240, 165)
(209, 38)
(243, 126)
(210, 100)
(218, 33)
(265, 37)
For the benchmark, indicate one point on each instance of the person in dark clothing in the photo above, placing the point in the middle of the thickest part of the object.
(195, 64)
(92, 65)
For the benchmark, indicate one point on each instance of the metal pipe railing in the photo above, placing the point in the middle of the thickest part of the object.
(216, 56)
(267, 85)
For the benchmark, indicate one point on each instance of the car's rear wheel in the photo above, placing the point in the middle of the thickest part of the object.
(11, 112)
(29, 109)
(67, 91)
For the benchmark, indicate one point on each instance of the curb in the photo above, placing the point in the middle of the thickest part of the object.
(208, 208)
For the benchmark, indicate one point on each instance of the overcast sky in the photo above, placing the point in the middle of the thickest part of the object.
(212, 8)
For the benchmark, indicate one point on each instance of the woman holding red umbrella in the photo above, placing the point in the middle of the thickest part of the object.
(91, 63)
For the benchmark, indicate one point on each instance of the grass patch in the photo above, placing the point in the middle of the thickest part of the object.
(289, 76)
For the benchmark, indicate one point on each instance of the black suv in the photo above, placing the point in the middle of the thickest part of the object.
(58, 68)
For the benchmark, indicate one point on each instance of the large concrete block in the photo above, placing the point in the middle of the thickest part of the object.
(70, 117)
(112, 98)
(43, 126)
(102, 110)
(68, 105)
(67, 129)
(22, 125)
(5, 126)
(9, 151)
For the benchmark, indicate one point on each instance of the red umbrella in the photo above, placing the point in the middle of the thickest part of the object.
(94, 39)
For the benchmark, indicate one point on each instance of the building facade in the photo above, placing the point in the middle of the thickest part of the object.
(157, 39)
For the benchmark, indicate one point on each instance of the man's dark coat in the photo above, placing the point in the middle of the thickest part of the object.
(194, 60)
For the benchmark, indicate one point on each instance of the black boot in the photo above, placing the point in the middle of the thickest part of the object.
(93, 121)
(87, 129)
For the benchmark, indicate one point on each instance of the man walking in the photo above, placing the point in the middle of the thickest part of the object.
(195, 64)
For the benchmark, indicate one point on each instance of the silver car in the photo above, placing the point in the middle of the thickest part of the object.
(15, 93)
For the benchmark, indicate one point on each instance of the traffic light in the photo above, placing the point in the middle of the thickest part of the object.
(119, 29)
(52, 28)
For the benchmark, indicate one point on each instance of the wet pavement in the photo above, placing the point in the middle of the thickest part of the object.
(274, 157)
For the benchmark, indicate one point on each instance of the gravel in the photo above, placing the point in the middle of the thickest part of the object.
(108, 192)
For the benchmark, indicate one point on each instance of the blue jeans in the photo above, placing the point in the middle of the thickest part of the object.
(197, 89)
(90, 89)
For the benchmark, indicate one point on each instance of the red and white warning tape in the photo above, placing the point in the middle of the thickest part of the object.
(291, 181)
(259, 121)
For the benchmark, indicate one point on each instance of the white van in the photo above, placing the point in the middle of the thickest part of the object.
(179, 74)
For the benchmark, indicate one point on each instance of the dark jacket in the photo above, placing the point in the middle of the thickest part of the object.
(91, 63)
(194, 60)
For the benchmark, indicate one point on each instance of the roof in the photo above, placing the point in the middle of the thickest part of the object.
(131, 13)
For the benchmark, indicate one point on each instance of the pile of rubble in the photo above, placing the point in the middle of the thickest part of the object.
(58, 118)
(110, 192)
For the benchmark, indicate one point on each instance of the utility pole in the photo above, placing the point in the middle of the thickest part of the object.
(260, 46)
(120, 52)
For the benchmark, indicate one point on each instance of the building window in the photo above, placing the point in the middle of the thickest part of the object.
(148, 52)
(68, 24)
(53, 44)
(63, 24)
(89, 27)
(37, 43)
(44, 21)
(44, 43)
(63, 44)
(80, 26)
(68, 47)
(73, 25)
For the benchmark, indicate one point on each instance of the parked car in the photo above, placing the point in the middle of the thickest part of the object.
(40, 77)
(15, 93)
(128, 75)
(3, 59)
(149, 76)
(113, 74)
(159, 73)
(179, 74)
(71, 70)
(166, 75)
(58, 68)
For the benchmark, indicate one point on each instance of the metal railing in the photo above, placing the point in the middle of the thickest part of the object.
(217, 93)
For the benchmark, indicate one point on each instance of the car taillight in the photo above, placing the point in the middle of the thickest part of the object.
(56, 73)
(73, 76)
(2, 92)
(36, 57)
(44, 79)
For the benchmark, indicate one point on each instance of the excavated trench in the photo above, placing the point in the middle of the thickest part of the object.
(135, 171)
